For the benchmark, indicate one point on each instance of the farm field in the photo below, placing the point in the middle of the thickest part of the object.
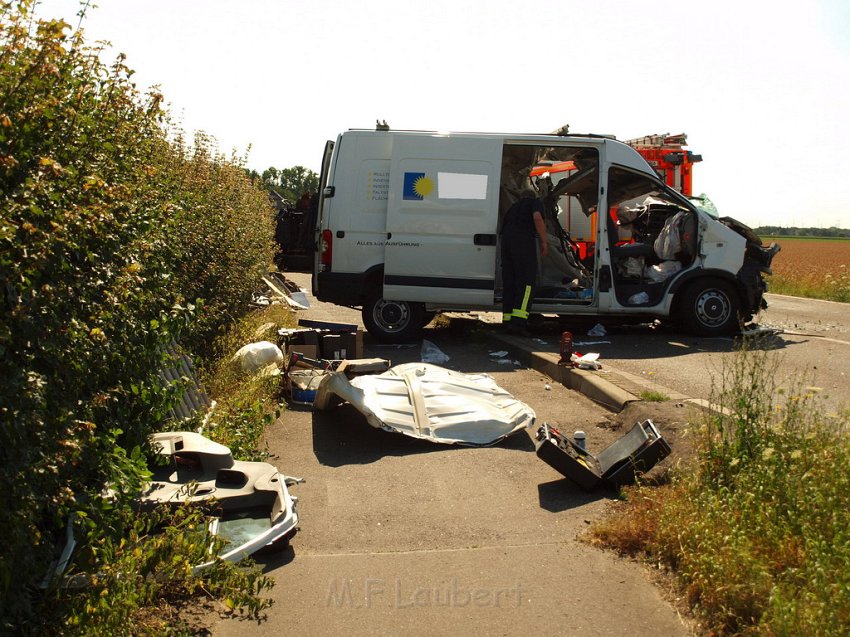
(813, 267)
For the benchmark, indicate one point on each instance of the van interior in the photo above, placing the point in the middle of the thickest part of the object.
(649, 234)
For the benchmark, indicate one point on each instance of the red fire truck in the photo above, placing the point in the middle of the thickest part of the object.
(667, 155)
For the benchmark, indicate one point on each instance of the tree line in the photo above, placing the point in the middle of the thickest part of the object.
(290, 183)
(791, 231)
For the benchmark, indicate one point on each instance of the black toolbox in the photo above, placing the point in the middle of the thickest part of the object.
(618, 464)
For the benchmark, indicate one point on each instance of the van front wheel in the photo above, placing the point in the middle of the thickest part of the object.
(393, 321)
(710, 308)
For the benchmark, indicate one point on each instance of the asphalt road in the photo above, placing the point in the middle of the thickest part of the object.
(813, 344)
(406, 536)
(400, 536)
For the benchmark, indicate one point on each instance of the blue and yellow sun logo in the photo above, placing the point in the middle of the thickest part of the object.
(417, 186)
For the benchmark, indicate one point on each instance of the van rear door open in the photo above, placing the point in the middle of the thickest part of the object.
(441, 220)
(317, 230)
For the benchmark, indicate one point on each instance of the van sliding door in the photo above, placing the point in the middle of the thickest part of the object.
(441, 220)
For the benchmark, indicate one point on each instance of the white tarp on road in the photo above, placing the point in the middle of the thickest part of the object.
(430, 402)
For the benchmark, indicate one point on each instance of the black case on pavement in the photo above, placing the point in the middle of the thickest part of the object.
(565, 456)
(618, 464)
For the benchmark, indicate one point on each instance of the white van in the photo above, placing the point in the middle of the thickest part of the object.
(408, 222)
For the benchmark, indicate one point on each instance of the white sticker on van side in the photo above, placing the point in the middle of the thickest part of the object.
(461, 186)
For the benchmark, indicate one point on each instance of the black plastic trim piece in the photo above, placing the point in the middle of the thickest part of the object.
(341, 288)
(604, 279)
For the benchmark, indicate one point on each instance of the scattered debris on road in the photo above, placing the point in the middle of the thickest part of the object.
(597, 330)
(433, 354)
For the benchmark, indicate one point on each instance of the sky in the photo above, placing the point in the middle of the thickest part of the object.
(762, 89)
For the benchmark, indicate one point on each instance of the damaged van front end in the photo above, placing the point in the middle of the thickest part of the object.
(757, 261)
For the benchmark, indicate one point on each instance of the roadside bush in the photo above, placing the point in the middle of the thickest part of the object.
(149, 566)
(98, 271)
(224, 240)
(246, 404)
(759, 530)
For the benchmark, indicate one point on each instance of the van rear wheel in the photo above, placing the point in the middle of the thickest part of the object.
(710, 307)
(393, 321)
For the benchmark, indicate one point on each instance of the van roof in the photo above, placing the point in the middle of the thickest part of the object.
(529, 136)
(617, 152)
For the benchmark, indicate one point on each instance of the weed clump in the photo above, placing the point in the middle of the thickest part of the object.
(652, 396)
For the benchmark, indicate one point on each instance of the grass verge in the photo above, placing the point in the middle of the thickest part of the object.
(246, 404)
(757, 528)
(828, 288)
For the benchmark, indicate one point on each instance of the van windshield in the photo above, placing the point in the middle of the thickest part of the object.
(706, 205)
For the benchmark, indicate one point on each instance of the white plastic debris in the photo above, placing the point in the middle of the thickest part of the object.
(433, 354)
(295, 297)
(639, 299)
(597, 330)
(586, 361)
(256, 356)
(500, 354)
(663, 271)
(301, 300)
(633, 266)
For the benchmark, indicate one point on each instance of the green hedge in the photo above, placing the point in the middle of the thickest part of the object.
(109, 233)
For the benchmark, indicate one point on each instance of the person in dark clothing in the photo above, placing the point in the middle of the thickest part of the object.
(522, 226)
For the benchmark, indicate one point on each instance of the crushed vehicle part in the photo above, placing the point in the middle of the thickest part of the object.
(618, 464)
(252, 505)
(283, 288)
(432, 403)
